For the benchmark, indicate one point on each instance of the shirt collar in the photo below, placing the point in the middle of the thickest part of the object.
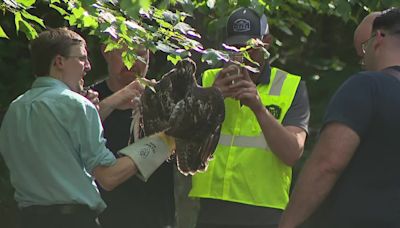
(48, 82)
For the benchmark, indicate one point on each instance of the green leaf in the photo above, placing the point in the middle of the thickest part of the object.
(26, 3)
(128, 59)
(134, 26)
(133, 11)
(145, 4)
(170, 17)
(283, 26)
(174, 59)
(11, 4)
(17, 19)
(315, 4)
(212, 56)
(187, 6)
(247, 56)
(107, 16)
(123, 28)
(183, 27)
(29, 31)
(33, 18)
(165, 48)
(2, 33)
(71, 19)
(147, 83)
(111, 46)
(78, 12)
(165, 24)
(305, 28)
(343, 9)
(89, 21)
(59, 9)
(111, 30)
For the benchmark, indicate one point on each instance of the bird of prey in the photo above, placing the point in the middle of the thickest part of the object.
(183, 109)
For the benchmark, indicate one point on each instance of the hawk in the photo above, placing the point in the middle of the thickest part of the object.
(183, 109)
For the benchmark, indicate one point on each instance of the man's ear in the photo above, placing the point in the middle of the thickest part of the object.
(58, 61)
(377, 41)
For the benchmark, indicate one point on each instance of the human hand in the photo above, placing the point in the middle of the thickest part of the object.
(226, 77)
(92, 96)
(128, 97)
(246, 92)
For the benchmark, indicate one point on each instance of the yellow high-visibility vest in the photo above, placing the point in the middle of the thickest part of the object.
(244, 169)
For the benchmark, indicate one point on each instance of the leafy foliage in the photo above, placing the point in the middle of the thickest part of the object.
(312, 38)
(160, 25)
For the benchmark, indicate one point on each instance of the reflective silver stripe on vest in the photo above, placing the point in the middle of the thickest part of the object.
(244, 141)
(277, 84)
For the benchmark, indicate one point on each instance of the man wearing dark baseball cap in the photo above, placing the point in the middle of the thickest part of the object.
(245, 24)
(266, 123)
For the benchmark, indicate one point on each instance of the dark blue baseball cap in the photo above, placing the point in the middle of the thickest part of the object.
(245, 24)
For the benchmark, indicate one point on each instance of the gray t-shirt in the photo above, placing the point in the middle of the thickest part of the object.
(299, 112)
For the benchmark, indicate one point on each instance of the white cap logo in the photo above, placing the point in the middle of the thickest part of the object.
(241, 25)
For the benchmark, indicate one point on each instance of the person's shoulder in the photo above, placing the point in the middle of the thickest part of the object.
(368, 74)
(302, 89)
(359, 84)
(73, 100)
(364, 78)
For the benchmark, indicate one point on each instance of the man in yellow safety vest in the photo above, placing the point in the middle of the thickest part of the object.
(247, 183)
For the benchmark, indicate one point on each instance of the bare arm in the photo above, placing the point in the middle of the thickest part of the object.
(330, 156)
(286, 142)
(107, 106)
(111, 176)
(125, 98)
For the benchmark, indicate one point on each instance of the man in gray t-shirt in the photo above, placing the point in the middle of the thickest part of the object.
(217, 211)
(266, 123)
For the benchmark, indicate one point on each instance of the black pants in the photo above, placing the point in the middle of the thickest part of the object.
(58, 216)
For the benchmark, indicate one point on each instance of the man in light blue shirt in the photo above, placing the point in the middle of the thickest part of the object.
(52, 141)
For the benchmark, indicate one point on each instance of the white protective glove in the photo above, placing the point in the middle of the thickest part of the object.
(149, 153)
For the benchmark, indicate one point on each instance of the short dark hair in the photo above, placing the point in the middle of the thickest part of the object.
(48, 44)
(388, 20)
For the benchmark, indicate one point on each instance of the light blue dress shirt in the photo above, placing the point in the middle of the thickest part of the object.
(51, 139)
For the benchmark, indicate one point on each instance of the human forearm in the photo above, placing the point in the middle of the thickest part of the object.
(106, 107)
(111, 176)
(311, 189)
(286, 142)
(329, 158)
(123, 99)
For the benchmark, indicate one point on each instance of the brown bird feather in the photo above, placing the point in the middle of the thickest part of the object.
(185, 110)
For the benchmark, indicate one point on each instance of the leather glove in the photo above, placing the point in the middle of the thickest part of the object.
(149, 153)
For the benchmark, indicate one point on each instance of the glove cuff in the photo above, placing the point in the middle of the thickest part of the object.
(149, 153)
